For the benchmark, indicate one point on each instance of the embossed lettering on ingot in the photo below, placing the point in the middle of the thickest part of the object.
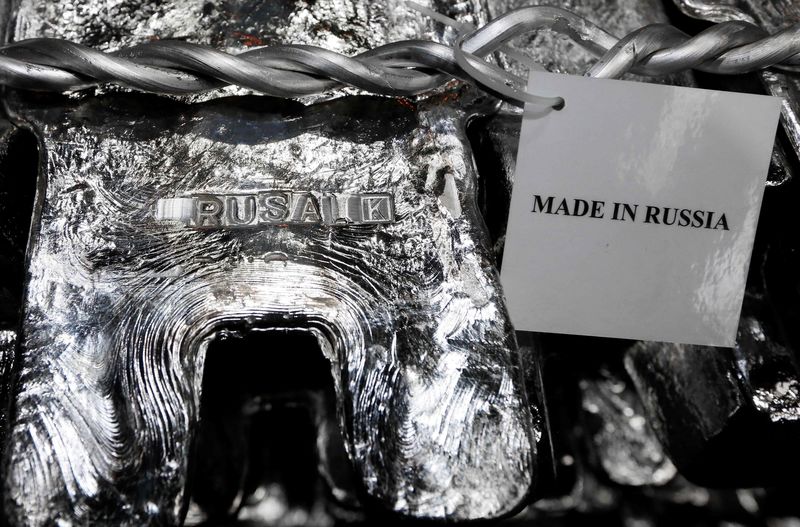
(121, 306)
(277, 207)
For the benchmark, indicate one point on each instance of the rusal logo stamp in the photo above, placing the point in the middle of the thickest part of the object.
(276, 207)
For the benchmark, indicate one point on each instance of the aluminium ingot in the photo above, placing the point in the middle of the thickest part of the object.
(161, 223)
(726, 417)
(625, 448)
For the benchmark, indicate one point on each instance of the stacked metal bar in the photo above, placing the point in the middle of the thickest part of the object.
(229, 309)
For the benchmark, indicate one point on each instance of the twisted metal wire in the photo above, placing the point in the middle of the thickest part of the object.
(403, 68)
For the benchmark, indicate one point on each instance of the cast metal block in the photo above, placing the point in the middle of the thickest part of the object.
(133, 271)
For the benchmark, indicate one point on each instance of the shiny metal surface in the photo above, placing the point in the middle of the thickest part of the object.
(708, 405)
(499, 133)
(625, 445)
(8, 343)
(399, 68)
(121, 308)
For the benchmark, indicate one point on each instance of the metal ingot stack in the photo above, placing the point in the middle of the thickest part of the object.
(235, 309)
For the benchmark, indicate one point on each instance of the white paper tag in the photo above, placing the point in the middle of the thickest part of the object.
(635, 208)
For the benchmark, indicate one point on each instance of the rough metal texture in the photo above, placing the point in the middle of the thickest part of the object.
(559, 54)
(498, 135)
(8, 343)
(770, 372)
(120, 308)
(709, 405)
(605, 481)
(621, 439)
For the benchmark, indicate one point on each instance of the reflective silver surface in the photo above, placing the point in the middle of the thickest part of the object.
(708, 405)
(401, 68)
(121, 307)
(626, 447)
(500, 132)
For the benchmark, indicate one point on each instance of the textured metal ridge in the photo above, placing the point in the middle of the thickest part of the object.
(408, 67)
(125, 301)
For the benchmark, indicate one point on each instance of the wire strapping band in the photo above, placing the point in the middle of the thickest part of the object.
(481, 71)
(406, 68)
